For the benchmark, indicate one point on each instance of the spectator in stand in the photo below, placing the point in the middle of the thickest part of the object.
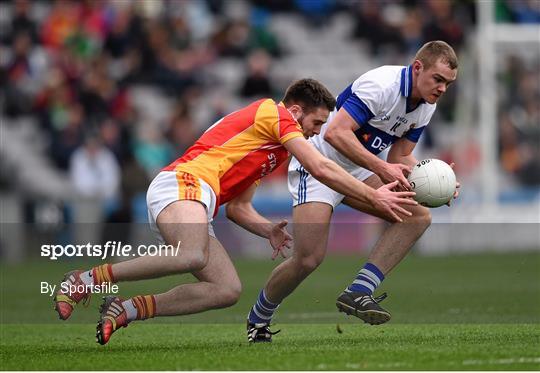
(257, 81)
(22, 22)
(519, 121)
(182, 132)
(97, 91)
(23, 76)
(238, 37)
(110, 135)
(261, 37)
(232, 40)
(66, 140)
(372, 26)
(60, 23)
(95, 175)
(152, 150)
(125, 32)
(442, 23)
(411, 31)
(161, 62)
(94, 171)
(93, 19)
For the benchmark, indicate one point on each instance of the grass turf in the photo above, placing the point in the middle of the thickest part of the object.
(300, 347)
(452, 313)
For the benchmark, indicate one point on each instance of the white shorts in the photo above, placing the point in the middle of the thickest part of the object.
(305, 188)
(170, 186)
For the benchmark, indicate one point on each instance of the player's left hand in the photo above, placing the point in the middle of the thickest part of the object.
(458, 185)
(280, 239)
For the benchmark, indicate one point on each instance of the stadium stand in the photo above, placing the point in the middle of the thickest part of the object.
(143, 79)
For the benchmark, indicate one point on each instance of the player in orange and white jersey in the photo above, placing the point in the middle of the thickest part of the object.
(223, 167)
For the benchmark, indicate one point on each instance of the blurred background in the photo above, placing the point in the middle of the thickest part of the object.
(97, 96)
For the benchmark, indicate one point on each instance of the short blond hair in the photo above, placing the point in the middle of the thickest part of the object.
(432, 51)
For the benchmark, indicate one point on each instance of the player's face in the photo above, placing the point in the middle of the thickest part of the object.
(312, 123)
(432, 83)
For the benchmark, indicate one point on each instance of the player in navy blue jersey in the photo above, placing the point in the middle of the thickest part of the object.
(388, 107)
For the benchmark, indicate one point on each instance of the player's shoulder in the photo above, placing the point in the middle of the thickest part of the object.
(270, 113)
(275, 109)
(383, 77)
(268, 106)
(267, 101)
(262, 109)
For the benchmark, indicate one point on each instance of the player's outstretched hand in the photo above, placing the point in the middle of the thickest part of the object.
(395, 171)
(280, 239)
(458, 185)
(388, 201)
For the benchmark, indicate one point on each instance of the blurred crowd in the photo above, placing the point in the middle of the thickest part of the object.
(74, 65)
(519, 101)
(519, 120)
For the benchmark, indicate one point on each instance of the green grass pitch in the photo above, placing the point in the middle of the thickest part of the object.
(473, 312)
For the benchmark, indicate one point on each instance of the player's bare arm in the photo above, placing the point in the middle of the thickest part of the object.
(329, 173)
(401, 152)
(340, 135)
(241, 211)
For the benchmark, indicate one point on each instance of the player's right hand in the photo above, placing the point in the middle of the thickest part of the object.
(388, 201)
(280, 239)
(391, 172)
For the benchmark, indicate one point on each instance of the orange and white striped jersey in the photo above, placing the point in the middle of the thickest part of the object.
(240, 148)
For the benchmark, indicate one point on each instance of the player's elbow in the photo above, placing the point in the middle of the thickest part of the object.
(232, 210)
(322, 171)
(336, 135)
(321, 174)
(229, 211)
(330, 136)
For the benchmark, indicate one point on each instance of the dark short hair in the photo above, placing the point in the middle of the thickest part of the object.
(309, 94)
(432, 51)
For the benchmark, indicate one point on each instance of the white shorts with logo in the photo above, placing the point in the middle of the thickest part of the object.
(305, 188)
(170, 186)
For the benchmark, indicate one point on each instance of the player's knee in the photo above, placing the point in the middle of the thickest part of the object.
(421, 217)
(198, 260)
(309, 263)
(230, 294)
(424, 216)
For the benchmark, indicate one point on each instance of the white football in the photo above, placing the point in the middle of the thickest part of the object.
(434, 182)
